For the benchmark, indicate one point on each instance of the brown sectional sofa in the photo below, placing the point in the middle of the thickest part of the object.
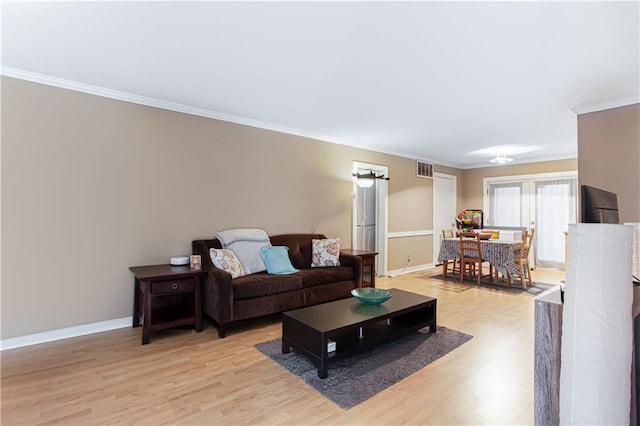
(229, 302)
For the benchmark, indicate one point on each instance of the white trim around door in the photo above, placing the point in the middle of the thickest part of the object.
(444, 206)
(382, 211)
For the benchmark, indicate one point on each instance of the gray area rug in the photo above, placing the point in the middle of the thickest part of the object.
(452, 283)
(357, 378)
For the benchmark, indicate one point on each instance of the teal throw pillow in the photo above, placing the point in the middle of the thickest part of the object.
(277, 260)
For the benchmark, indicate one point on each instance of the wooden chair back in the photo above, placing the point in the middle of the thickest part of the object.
(470, 247)
(453, 264)
(523, 257)
(470, 255)
(527, 243)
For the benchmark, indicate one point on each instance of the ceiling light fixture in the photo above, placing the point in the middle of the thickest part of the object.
(365, 183)
(507, 150)
(501, 159)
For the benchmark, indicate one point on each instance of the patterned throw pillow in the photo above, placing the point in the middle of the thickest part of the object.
(325, 252)
(227, 261)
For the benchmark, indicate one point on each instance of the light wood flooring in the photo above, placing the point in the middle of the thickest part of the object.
(189, 378)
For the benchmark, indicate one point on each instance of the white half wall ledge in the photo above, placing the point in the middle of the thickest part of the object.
(64, 333)
(405, 234)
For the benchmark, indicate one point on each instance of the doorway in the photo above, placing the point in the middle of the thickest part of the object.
(369, 214)
(444, 208)
(547, 202)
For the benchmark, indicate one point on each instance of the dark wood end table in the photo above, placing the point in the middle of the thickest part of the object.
(368, 265)
(158, 282)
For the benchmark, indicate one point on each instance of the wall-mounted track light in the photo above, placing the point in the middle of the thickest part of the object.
(366, 180)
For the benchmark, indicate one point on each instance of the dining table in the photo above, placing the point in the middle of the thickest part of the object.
(501, 254)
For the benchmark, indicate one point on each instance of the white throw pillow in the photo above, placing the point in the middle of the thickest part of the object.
(325, 252)
(227, 261)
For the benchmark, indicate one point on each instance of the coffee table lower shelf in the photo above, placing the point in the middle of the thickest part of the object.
(354, 327)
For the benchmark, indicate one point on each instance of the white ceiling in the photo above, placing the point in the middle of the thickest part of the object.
(425, 80)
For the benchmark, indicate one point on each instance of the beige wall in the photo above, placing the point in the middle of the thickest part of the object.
(472, 191)
(416, 194)
(92, 186)
(408, 190)
(418, 248)
(609, 155)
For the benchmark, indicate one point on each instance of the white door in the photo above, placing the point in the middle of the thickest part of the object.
(444, 208)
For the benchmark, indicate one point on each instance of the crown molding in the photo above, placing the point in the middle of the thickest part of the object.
(201, 112)
(156, 103)
(173, 106)
(601, 106)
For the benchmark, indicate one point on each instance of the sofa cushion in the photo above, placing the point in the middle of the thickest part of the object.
(299, 247)
(312, 277)
(263, 284)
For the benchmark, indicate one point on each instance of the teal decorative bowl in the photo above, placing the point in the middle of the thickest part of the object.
(371, 296)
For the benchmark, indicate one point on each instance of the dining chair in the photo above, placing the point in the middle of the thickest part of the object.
(470, 255)
(455, 263)
(523, 258)
(448, 233)
(493, 272)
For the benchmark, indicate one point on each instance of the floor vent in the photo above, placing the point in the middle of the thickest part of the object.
(424, 170)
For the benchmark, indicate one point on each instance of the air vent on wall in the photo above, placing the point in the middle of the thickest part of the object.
(424, 170)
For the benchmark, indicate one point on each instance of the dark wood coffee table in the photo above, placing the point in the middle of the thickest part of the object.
(354, 326)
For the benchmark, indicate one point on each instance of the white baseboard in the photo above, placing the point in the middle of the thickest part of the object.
(411, 269)
(97, 327)
(64, 333)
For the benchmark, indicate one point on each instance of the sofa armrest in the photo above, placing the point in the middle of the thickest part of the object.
(218, 295)
(356, 263)
(217, 289)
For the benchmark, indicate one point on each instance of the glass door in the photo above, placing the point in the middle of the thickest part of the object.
(555, 206)
(546, 202)
(506, 201)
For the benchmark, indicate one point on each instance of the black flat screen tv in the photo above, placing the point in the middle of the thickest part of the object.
(598, 205)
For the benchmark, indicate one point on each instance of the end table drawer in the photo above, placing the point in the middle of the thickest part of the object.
(173, 286)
